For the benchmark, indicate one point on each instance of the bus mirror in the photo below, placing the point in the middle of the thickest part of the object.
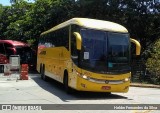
(78, 40)
(138, 46)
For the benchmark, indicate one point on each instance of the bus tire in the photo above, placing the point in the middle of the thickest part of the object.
(44, 77)
(40, 70)
(65, 82)
(108, 93)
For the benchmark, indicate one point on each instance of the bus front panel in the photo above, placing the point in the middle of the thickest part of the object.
(88, 81)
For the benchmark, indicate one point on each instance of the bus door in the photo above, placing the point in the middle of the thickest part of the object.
(74, 64)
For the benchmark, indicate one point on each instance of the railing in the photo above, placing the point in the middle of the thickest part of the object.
(140, 74)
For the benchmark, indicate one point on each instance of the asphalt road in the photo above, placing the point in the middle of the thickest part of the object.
(37, 91)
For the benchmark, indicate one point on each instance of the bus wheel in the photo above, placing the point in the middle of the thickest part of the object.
(108, 93)
(65, 81)
(41, 71)
(44, 77)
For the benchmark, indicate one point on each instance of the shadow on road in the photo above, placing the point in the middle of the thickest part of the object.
(57, 89)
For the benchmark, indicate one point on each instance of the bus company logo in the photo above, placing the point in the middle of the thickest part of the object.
(106, 81)
(6, 107)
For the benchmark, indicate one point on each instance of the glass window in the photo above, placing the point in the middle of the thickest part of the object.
(105, 52)
(118, 52)
(94, 43)
(65, 37)
(118, 47)
(94, 50)
(2, 49)
(74, 51)
(26, 54)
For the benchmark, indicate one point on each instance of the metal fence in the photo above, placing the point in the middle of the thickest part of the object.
(140, 74)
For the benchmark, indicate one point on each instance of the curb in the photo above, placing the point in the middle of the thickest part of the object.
(144, 85)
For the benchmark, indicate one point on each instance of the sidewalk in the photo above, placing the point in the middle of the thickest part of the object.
(11, 77)
(144, 85)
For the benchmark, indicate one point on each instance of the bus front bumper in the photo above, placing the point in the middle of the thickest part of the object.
(86, 85)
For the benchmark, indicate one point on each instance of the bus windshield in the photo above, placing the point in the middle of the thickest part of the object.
(105, 52)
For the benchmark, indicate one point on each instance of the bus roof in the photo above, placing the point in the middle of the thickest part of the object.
(14, 43)
(92, 24)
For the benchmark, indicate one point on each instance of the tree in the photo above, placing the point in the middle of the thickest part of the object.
(16, 20)
(153, 62)
(23, 20)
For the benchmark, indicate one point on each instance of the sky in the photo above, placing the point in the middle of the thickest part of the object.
(7, 2)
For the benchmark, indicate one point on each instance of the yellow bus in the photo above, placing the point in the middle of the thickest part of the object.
(87, 55)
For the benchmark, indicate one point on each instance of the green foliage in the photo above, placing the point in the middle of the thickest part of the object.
(25, 21)
(140, 17)
(153, 62)
(31, 41)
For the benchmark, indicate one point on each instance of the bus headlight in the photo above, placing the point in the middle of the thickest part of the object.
(84, 76)
(126, 79)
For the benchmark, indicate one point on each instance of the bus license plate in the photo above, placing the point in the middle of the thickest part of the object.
(106, 87)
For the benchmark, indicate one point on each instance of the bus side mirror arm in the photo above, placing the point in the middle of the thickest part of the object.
(138, 46)
(78, 40)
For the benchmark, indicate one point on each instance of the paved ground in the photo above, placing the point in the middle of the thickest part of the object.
(145, 85)
(36, 91)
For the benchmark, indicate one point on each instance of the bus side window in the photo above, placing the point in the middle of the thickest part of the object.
(41, 40)
(9, 50)
(65, 37)
(74, 51)
(2, 50)
(48, 42)
(73, 46)
(52, 38)
(55, 39)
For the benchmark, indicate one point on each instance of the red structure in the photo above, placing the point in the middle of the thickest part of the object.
(3, 59)
(24, 72)
(11, 47)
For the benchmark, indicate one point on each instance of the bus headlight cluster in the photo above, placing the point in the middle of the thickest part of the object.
(83, 76)
(126, 79)
(91, 79)
(102, 81)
